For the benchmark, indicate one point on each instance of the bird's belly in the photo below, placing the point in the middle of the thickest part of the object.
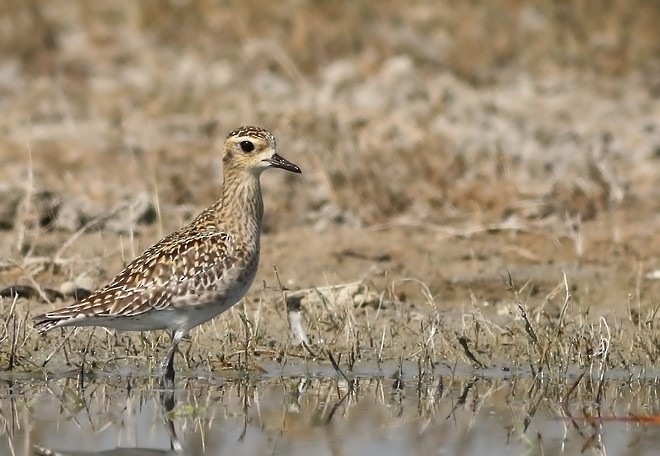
(183, 316)
(186, 312)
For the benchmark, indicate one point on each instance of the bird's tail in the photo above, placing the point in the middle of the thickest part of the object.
(45, 323)
(61, 317)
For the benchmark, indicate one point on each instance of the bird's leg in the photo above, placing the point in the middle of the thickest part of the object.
(167, 367)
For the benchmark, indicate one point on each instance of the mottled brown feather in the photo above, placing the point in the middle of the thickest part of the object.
(188, 267)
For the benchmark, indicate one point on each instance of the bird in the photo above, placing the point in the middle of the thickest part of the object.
(196, 273)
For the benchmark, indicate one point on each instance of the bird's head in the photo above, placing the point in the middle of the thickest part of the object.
(253, 149)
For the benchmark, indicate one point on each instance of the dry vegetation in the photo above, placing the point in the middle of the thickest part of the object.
(444, 145)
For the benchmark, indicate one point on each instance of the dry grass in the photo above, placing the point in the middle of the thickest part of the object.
(513, 116)
(360, 331)
(151, 77)
(475, 40)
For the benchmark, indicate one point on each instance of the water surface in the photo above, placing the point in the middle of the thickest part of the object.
(322, 413)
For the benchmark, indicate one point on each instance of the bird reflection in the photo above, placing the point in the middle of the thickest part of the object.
(167, 404)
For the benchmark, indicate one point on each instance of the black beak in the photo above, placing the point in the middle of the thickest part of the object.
(279, 162)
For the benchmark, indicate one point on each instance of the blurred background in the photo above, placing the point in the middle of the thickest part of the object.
(464, 162)
(400, 113)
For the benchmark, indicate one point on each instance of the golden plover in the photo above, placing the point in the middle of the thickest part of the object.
(198, 272)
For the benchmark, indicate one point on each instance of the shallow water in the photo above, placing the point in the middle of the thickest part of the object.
(321, 413)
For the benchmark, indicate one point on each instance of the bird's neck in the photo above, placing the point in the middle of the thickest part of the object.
(241, 202)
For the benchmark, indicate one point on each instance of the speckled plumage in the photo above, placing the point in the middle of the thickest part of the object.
(197, 272)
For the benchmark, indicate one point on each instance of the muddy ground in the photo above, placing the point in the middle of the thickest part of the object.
(487, 171)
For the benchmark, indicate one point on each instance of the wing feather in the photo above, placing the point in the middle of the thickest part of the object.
(175, 266)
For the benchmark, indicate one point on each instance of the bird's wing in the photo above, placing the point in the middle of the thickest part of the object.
(172, 267)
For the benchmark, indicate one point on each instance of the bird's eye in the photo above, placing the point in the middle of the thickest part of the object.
(247, 146)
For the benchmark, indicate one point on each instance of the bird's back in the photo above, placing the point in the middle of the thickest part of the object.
(199, 270)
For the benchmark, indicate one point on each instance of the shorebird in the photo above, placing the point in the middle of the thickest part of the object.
(197, 272)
